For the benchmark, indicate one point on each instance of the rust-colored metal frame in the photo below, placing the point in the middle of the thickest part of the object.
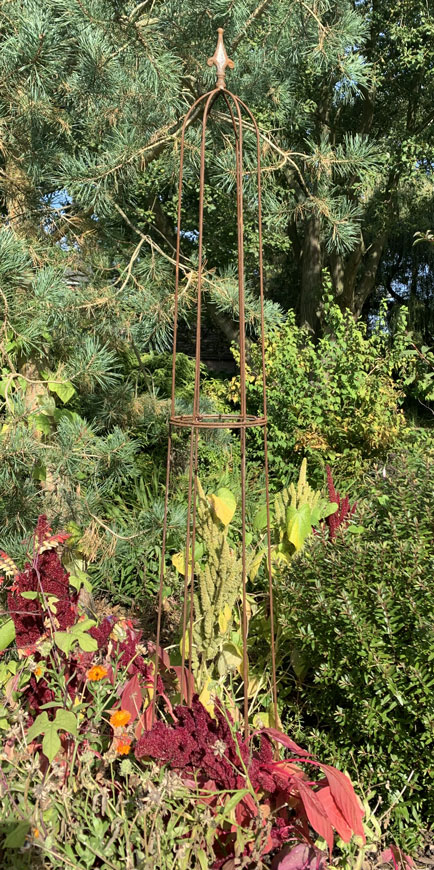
(197, 421)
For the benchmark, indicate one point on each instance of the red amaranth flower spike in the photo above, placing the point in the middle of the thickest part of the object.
(341, 517)
(45, 576)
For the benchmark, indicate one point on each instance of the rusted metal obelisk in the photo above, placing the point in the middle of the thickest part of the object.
(196, 421)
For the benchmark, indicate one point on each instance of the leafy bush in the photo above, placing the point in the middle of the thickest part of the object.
(332, 399)
(356, 632)
(80, 696)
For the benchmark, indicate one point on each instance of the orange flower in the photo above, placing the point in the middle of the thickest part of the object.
(123, 747)
(120, 718)
(96, 673)
(35, 833)
(38, 671)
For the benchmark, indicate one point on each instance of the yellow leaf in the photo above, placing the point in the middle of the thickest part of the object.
(253, 686)
(185, 646)
(178, 560)
(223, 504)
(206, 698)
(233, 656)
(255, 564)
(261, 719)
(224, 618)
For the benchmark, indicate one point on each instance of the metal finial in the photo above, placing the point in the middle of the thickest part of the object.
(220, 60)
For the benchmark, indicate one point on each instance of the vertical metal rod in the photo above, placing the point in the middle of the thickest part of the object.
(196, 403)
(241, 300)
(264, 387)
(193, 546)
(187, 554)
(162, 572)
(175, 330)
(185, 607)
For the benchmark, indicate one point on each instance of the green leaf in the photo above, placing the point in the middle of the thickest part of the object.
(41, 422)
(298, 525)
(329, 509)
(64, 390)
(83, 625)
(232, 656)
(67, 721)
(30, 596)
(234, 801)
(260, 519)
(39, 472)
(39, 726)
(87, 643)
(51, 743)
(65, 640)
(17, 837)
(7, 634)
(203, 860)
(78, 579)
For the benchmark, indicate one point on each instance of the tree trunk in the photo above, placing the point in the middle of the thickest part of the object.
(353, 279)
(311, 282)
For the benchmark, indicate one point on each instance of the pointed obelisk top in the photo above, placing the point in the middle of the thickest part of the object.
(220, 60)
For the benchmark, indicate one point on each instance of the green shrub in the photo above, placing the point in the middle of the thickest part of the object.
(356, 626)
(332, 399)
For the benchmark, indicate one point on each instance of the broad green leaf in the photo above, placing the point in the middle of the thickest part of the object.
(298, 525)
(7, 634)
(223, 504)
(17, 837)
(65, 640)
(260, 519)
(66, 720)
(232, 656)
(329, 509)
(83, 625)
(39, 726)
(41, 422)
(87, 643)
(30, 596)
(79, 578)
(64, 390)
(356, 530)
(51, 742)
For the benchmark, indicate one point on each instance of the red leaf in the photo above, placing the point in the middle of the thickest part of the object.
(132, 697)
(315, 813)
(334, 814)
(162, 654)
(393, 854)
(300, 857)
(284, 740)
(345, 797)
(187, 681)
